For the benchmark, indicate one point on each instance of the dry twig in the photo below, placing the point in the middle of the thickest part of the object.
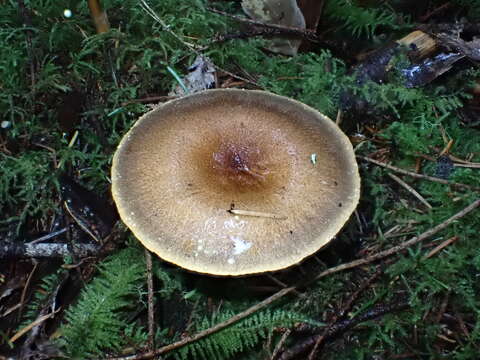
(411, 190)
(286, 30)
(440, 247)
(419, 176)
(151, 309)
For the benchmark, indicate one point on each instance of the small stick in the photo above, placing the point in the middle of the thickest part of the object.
(447, 148)
(286, 291)
(27, 328)
(411, 190)
(48, 236)
(456, 161)
(435, 11)
(282, 284)
(280, 343)
(471, 166)
(151, 309)
(419, 176)
(24, 291)
(256, 214)
(149, 99)
(338, 120)
(441, 247)
(455, 158)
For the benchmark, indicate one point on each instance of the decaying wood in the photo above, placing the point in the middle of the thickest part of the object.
(421, 44)
(45, 250)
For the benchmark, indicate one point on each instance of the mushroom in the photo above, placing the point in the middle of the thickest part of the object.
(235, 182)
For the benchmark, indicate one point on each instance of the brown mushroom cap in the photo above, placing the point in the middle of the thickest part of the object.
(183, 166)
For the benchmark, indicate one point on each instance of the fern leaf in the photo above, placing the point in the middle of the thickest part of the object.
(237, 338)
(95, 322)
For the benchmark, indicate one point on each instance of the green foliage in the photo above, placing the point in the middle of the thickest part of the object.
(315, 79)
(363, 21)
(241, 336)
(98, 322)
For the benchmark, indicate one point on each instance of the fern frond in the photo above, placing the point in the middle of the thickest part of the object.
(97, 321)
(237, 338)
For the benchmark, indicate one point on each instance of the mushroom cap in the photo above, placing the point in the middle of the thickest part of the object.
(287, 170)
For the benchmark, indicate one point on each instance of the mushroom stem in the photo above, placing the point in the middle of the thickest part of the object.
(256, 214)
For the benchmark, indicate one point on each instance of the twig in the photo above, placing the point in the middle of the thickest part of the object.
(455, 158)
(25, 288)
(286, 291)
(402, 246)
(282, 284)
(411, 190)
(447, 148)
(245, 35)
(280, 343)
(456, 161)
(150, 99)
(256, 214)
(419, 176)
(307, 34)
(48, 236)
(30, 326)
(343, 326)
(440, 247)
(151, 309)
(346, 307)
(47, 250)
(339, 117)
(435, 11)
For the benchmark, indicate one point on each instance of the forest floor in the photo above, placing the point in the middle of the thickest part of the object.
(400, 78)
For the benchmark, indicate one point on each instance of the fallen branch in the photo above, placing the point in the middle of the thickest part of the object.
(261, 305)
(45, 250)
(285, 30)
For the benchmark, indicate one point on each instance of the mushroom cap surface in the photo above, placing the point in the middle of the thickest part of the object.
(287, 171)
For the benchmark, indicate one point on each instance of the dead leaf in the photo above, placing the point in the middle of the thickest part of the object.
(201, 76)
